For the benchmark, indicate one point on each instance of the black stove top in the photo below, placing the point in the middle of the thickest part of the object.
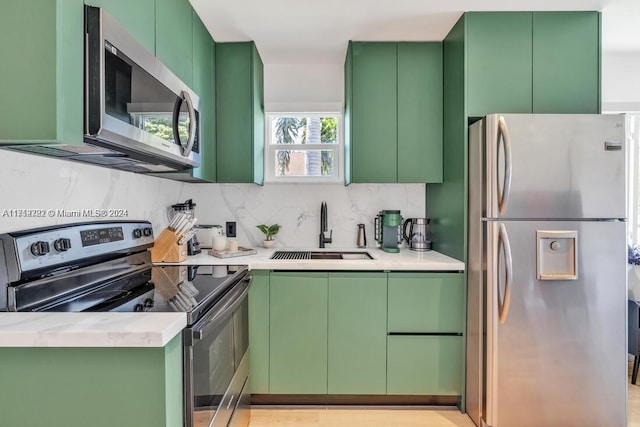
(103, 266)
(189, 289)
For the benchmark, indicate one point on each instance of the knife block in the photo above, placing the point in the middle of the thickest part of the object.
(167, 249)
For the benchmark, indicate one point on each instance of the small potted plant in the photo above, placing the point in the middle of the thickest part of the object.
(269, 231)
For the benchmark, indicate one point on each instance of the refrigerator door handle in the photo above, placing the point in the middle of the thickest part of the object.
(503, 134)
(503, 306)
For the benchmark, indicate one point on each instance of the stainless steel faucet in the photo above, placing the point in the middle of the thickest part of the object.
(323, 226)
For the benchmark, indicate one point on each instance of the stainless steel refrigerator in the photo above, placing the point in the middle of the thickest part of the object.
(547, 298)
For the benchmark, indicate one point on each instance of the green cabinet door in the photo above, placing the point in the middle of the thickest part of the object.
(357, 349)
(426, 303)
(174, 38)
(42, 55)
(499, 62)
(298, 333)
(348, 105)
(257, 111)
(239, 113)
(419, 112)
(566, 62)
(203, 80)
(137, 17)
(259, 332)
(374, 121)
(100, 387)
(425, 365)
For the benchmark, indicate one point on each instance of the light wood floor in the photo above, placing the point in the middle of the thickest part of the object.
(358, 417)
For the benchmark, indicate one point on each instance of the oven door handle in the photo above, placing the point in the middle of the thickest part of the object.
(235, 298)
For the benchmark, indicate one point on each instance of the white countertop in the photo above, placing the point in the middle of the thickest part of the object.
(403, 261)
(89, 329)
(157, 329)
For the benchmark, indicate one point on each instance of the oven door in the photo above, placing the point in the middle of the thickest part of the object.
(216, 357)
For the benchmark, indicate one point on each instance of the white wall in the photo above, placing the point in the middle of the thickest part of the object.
(39, 183)
(303, 83)
(621, 81)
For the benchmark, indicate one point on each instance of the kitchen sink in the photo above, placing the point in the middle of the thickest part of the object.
(337, 255)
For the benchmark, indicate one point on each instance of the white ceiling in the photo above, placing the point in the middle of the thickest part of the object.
(317, 32)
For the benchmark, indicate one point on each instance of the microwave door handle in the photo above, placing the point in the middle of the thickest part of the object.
(192, 124)
(503, 135)
(184, 97)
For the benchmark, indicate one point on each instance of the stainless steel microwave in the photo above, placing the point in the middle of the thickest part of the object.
(134, 105)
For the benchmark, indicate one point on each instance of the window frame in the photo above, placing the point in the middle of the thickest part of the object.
(270, 150)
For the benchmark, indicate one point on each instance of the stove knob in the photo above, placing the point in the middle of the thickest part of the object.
(39, 248)
(137, 233)
(138, 307)
(62, 245)
(148, 303)
(148, 231)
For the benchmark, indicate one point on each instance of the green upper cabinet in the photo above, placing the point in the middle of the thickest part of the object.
(532, 62)
(174, 37)
(419, 112)
(298, 333)
(203, 85)
(499, 65)
(239, 113)
(357, 336)
(137, 17)
(42, 71)
(566, 62)
(374, 120)
(393, 108)
(507, 62)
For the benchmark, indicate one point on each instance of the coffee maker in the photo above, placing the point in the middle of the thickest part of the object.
(388, 230)
(188, 208)
(419, 236)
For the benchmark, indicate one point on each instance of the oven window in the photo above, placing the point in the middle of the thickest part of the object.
(213, 367)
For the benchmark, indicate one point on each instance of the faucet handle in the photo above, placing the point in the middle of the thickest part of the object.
(330, 236)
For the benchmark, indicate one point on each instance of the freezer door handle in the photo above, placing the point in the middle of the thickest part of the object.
(503, 135)
(503, 244)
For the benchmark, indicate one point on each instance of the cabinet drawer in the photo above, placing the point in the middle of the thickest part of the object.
(426, 302)
(427, 365)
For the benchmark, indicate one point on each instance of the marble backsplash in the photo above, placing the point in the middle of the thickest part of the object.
(39, 185)
(296, 207)
(49, 189)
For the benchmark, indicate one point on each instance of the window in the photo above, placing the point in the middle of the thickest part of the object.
(304, 147)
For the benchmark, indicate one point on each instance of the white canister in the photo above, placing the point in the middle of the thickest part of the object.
(219, 242)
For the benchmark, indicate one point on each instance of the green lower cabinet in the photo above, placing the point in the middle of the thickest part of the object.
(298, 333)
(101, 387)
(426, 302)
(424, 365)
(357, 348)
(259, 332)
